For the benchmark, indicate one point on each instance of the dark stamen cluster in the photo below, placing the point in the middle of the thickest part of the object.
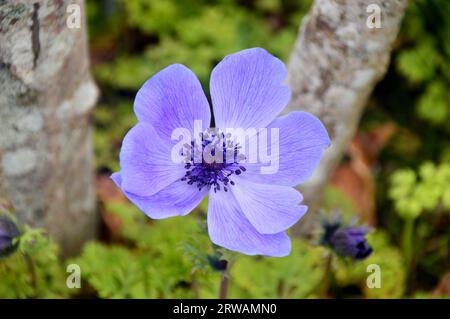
(217, 175)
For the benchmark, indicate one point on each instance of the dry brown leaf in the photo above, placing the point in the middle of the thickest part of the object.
(108, 192)
(355, 178)
(443, 287)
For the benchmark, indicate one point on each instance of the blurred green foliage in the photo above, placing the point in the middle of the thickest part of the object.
(34, 271)
(195, 33)
(132, 40)
(166, 259)
(423, 195)
(151, 267)
(425, 191)
(425, 60)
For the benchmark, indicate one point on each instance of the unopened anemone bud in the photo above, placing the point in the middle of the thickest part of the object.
(347, 241)
(216, 262)
(9, 234)
(351, 241)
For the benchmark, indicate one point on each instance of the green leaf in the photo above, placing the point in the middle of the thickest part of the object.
(434, 104)
(419, 63)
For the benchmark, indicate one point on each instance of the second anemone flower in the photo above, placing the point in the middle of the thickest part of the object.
(249, 211)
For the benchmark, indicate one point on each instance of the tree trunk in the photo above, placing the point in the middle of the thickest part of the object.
(46, 100)
(336, 62)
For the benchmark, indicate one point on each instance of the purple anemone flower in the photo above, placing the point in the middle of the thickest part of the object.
(8, 233)
(351, 241)
(348, 241)
(248, 211)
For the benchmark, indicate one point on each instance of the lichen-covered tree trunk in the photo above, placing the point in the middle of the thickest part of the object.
(46, 99)
(336, 62)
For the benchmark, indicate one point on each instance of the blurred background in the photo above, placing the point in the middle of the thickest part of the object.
(394, 177)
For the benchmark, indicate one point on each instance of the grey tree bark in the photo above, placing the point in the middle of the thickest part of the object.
(336, 62)
(46, 98)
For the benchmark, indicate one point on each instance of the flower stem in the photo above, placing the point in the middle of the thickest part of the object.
(31, 269)
(223, 291)
(325, 285)
(195, 285)
(408, 246)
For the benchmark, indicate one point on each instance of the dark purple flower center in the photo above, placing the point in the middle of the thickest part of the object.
(212, 162)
